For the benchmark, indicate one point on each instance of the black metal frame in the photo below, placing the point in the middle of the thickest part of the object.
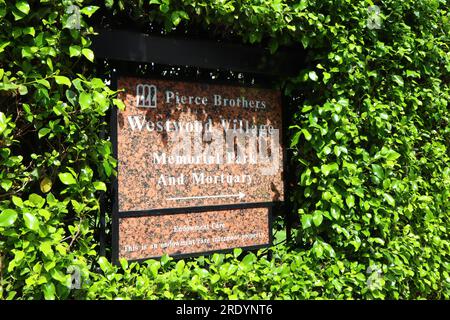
(287, 170)
(116, 215)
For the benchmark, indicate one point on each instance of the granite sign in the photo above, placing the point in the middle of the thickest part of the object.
(198, 167)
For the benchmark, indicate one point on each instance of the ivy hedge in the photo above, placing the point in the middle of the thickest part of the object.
(370, 142)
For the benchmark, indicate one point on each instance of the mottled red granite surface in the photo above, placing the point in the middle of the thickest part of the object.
(138, 176)
(194, 232)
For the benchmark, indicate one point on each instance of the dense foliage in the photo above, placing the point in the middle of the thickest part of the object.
(370, 141)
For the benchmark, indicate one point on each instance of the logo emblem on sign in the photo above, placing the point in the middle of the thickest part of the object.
(146, 96)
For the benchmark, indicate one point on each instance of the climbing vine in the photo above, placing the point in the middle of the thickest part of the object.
(370, 140)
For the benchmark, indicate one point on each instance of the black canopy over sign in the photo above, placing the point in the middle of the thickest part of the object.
(139, 47)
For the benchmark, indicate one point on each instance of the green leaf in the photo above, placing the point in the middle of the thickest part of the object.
(67, 178)
(7, 217)
(248, 260)
(119, 104)
(89, 10)
(313, 76)
(58, 275)
(302, 5)
(305, 41)
(306, 220)
(124, 263)
(180, 267)
(49, 291)
(17, 201)
(392, 155)
(412, 74)
(29, 52)
(356, 243)
(317, 249)
(85, 100)
(378, 171)
(71, 97)
(6, 184)
(306, 134)
(101, 100)
(398, 80)
(107, 167)
(109, 3)
(335, 211)
(43, 132)
(23, 7)
(2, 10)
(36, 200)
(46, 185)
(98, 185)
(350, 201)
(237, 252)
(175, 17)
(88, 53)
(105, 265)
(23, 90)
(164, 7)
(63, 80)
(29, 31)
(165, 259)
(78, 207)
(335, 118)
(389, 199)
(50, 63)
(8, 86)
(329, 168)
(317, 218)
(3, 122)
(75, 51)
(295, 138)
(3, 45)
(215, 278)
(31, 222)
(46, 248)
(44, 82)
(305, 178)
(45, 213)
